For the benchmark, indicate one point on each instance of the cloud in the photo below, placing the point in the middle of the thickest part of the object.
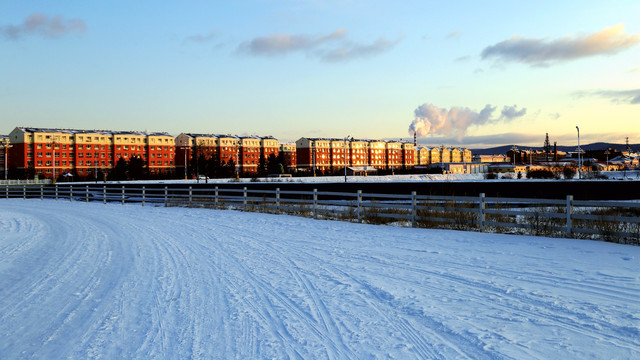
(352, 51)
(543, 52)
(511, 112)
(454, 34)
(40, 24)
(526, 139)
(432, 120)
(278, 44)
(616, 96)
(332, 47)
(201, 38)
(635, 69)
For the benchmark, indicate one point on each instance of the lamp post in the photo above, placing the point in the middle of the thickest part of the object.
(53, 160)
(6, 147)
(606, 152)
(184, 148)
(345, 157)
(579, 162)
(237, 159)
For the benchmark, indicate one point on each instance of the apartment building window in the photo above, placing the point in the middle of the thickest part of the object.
(80, 155)
(126, 147)
(39, 162)
(118, 147)
(48, 154)
(29, 163)
(48, 163)
(39, 154)
(79, 162)
(80, 147)
(39, 146)
(89, 147)
(29, 154)
(30, 146)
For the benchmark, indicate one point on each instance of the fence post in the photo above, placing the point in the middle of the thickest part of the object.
(41, 192)
(569, 211)
(6, 191)
(56, 192)
(165, 196)
(215, 196)
(278, 200)
(70, 192)
(24, 192)
(143, 195)
(190, 194)
(244, 199)
(359, 203)
(481, 205)
(104, 194)
(122, 195)
(315, 203)
(413, 209)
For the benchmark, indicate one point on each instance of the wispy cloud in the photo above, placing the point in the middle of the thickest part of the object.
(526, 139)
(617, 96)
(44, 25)
(201, 38)
(453, 34)
(355, 50)
(279, 44)
(637, 69)
(544, 52)
(332, 47)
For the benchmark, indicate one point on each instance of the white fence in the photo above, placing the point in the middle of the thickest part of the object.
(25, 182)
(617, 221)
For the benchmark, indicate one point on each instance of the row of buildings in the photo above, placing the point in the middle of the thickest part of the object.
(55, 152)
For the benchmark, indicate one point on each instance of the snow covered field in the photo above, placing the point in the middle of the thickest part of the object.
(85, 280)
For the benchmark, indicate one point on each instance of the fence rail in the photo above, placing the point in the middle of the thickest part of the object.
(615, 221)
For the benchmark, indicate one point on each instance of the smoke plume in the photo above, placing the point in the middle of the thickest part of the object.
(432, 120)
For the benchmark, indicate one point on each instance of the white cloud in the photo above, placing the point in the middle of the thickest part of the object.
(543, 52)
(44, 25)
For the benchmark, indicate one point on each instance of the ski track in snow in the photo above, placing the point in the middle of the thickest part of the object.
(97, 281)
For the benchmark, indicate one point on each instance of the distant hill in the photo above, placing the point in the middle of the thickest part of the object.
(595, 146)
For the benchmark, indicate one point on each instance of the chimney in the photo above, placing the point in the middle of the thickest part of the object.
(415, 139)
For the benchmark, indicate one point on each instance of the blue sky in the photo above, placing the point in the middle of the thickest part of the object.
(470, 73)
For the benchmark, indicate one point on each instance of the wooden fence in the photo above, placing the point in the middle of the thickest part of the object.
(616, 221)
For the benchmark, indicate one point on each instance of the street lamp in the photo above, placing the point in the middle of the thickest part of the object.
(606, 152)
(54, 141)
(345, 157)
(184, 148)
(6, 147)
(579, 162)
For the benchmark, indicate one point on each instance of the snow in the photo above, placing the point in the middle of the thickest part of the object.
(86, 280)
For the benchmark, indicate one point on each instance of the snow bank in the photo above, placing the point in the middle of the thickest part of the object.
(86, 280)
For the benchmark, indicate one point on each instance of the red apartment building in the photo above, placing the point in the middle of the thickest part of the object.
(244, 151)
(328, 154)
(55, 152)
(288, 151)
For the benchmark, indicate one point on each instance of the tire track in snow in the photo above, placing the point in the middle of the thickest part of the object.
(547, 311)
(424, 349)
